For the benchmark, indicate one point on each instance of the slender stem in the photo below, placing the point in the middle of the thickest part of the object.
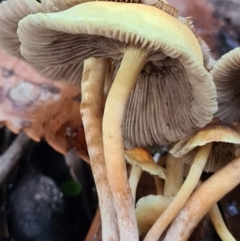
(174, 181)
(210, 192)
(132, 63)
(178, 202)
(219, 224)
(92, 112)
(133, 179)
(159, 185)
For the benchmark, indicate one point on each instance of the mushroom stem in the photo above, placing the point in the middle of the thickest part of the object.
(219, 224)
(131, 65)
(159, 185)
(133, 179)
(92, 112)
(210, 192)
(178, 202)
(174, 180)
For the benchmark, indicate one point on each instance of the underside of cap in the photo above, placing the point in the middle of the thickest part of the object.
(141, 158)
(165, 105)
(216, 131)
(11, 12)
(226, 75)
(184, 104)
(221, 154)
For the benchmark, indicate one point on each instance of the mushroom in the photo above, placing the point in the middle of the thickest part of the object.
(141, 160)
(50, 6)
(205, 139)
(42, 35)
(212, 190)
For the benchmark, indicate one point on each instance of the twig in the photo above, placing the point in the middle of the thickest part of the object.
(11, 156)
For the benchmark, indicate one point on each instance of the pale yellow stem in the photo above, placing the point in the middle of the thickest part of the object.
(92, 113)
(174, 180)
(159, 185)
(178, 202)
(210, 192)
(133, 179)
(219, 224)
(132, 63)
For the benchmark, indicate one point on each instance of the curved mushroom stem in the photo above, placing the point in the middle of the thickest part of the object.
(178, 202)
(92, 112)
(219, 224)
(210, 192)
(132, 63)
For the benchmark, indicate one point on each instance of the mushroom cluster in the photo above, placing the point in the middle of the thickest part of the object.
(144, 78)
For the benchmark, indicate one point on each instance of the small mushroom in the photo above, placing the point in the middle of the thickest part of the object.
(215, 132)
(148, 40)
(141, 160)
(148, 210)
(211, 191)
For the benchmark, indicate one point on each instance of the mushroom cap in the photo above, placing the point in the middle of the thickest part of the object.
(11, 12)
(148, 210)
(141, 158)
(226, 75)
(89, 34)
(43, 35)
(50, 6)
(224, 138)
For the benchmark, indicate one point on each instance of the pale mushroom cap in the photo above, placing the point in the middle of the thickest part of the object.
(43, 32)
(226, 75)
(149, 208)
(169, 45)
(142, 158)
(224, 138)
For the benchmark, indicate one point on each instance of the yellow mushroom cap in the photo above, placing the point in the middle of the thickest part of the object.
(224, 138)
(142, 158)
(61, 41)
(149, 208)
